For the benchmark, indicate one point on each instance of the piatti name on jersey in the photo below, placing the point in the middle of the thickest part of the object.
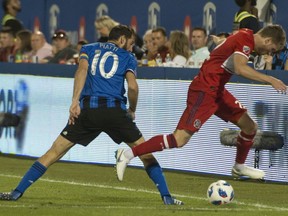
(109, 46)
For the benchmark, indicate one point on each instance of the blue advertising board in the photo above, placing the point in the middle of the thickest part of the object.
(45, 99)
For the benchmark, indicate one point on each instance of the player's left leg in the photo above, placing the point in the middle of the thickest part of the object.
(157, 143)
(245, 141)
(60, 146)
(200, 107)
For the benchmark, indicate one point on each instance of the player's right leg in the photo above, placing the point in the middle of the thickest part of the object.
(58, 149)
(245, 140)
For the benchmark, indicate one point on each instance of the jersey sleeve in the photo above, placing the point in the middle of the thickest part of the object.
(132, 65)
(84, 53)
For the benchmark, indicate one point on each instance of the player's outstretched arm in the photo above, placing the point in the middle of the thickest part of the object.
(79, 81)
(242, 69)
(132, 93)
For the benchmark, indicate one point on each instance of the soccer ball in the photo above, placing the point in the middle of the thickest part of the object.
(220, 192)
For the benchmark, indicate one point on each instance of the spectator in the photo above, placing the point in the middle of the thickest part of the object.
(11, 8)
(75, 59)
(103, 25)
(7, 41)
(279, 60)
(80, 44)
(247, 16)
(215, 40)
(148, 46)
(64, 49)
(179, 49)
(23, 47)
(200, 50)
(136, 49)
(160, 40)
(40, 47)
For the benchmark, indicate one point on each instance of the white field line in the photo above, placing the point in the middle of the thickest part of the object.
(254, 206)
(179, 208)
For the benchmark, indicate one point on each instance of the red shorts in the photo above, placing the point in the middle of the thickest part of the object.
(201, 106)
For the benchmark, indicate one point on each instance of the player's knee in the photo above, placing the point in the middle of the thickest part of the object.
(255, 126)
(181, 143)
(249, 126)
(181, 138)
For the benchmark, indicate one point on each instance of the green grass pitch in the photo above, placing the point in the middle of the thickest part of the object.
(87, 189)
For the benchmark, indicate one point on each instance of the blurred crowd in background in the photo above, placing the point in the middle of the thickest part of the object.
(155, 48)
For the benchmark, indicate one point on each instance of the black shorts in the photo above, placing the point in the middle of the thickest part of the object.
(115, 122)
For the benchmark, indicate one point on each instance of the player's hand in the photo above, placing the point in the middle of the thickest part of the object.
(131, 113)
(279, 86)
(74, 112)
(268, 58)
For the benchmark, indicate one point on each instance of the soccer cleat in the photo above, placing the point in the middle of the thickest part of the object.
(168, 200)
(10, 196)
(248, 172)
(121, 163)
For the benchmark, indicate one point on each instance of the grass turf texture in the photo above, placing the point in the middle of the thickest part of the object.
(87, 189)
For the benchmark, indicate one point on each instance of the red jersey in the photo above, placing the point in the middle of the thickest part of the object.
(217, 70)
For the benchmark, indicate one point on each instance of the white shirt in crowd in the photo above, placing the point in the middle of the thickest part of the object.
(44, 51)
(178, 61)
(198, 57)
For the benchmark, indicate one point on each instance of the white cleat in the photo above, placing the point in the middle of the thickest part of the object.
(121, 163)
(248, 172)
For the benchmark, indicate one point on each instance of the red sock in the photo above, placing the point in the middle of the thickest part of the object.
(157, 143)
(244, 143)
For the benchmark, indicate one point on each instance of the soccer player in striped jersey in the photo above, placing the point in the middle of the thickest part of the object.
(99, 105)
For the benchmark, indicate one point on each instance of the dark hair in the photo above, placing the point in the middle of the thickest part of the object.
(82, 42)
(4, 5)
(253, 2)
(240, 3)
(160, 29)
(224, 34)
(200, 29)
(7, 29)
(120, 30)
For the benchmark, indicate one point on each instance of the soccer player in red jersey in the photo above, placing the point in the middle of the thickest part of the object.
(207, 95)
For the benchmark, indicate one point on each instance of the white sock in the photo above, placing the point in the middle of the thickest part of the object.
(239, 166)
(129, 154)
